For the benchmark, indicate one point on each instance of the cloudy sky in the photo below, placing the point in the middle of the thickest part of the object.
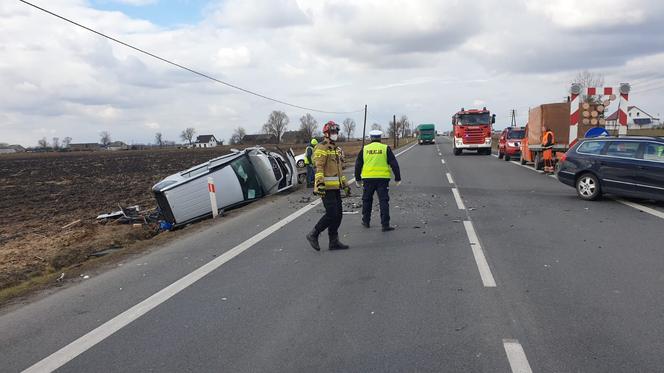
(425, 59)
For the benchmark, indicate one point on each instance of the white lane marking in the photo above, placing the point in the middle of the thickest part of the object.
(457, 198)
(449, 178)
(478, 253)
(87, 341)
(494, 155)
(516, 356)
(77, 347)
(405, 150)
(440, 154)
(443, 161)
(643, 208)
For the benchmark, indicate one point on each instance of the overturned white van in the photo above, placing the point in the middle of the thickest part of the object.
(240, 178)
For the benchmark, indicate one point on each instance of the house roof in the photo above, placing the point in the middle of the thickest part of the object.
(205, 138)
(259, 136)
(614, 116)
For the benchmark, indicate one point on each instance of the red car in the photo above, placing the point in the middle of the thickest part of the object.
(509, 142)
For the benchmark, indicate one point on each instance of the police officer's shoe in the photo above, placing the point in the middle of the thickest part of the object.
(365, 224)
(387, 228)
(312, 237)
(335, 244)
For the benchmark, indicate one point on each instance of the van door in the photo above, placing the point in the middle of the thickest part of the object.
(650, 171)
(617, 167)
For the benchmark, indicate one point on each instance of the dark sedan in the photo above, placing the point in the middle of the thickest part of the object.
(626, 166)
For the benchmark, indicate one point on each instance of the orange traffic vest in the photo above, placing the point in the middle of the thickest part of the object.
(545, 140)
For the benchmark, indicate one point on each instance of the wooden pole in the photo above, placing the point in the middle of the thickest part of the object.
(394, 130)
(364, 128)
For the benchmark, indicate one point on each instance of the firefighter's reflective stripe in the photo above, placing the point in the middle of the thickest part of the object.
(323, 153)
(375, 162)
(332, 182)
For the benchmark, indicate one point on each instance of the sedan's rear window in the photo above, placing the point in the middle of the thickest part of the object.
(623, 149)
(591, 147)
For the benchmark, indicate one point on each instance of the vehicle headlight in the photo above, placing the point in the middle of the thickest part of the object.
(513, 144)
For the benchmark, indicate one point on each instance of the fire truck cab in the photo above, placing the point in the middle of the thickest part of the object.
(472, 130)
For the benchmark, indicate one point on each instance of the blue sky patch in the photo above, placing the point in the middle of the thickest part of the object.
(164, 13)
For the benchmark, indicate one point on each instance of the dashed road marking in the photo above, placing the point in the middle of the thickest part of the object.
(443, 161)
(516, 356)
(449, 178)
(457, 198)
(478, 253)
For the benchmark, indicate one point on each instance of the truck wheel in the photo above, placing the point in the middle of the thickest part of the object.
(500, 154)
(539, 164)
(507, 158)
(588, 187)
(457, 151)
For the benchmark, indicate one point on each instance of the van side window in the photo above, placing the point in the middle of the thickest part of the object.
(623, 149)
(591, 147)
(654, 152)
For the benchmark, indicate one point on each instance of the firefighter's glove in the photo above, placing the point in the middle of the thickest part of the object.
(347, 191)
(320, 190)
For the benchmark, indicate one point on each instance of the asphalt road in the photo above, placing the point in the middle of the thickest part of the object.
(514, 275)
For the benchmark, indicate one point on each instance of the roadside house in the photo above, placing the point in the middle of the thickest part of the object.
(636, 119)
(206, 141)
(294, 137)
(117, 145)
(88, 146)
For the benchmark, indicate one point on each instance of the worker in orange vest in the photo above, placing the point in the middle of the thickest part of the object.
(547, 145)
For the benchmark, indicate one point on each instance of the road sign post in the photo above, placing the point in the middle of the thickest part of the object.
(213, 197)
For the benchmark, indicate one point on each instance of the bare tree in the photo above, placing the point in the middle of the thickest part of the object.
(393, 129)
(404, 126)
(159, 139)
(43, 143)
(238, 134)
(276, 124)
(105, 138)
(66, 141)
(56, 143)
(376, 126)
(587, 79)
(308, 125)
(349, 127)
(188, 134)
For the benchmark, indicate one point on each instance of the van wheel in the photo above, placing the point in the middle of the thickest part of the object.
(500, 155)
(507, 158)
(539, 164)
(588, 187)
(457, 151)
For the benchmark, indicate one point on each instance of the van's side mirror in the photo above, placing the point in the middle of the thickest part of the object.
(493, 118)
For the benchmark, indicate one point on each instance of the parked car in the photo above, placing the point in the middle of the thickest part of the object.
(240, 177)
(299, 160)
(627, 166)
(509, 142)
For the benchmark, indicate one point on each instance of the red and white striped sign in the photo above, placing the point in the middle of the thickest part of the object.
(593, 91)
(213, 197)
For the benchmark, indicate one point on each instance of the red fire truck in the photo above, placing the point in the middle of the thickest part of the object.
(472, 130)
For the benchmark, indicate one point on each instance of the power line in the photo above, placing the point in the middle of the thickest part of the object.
(184, 67)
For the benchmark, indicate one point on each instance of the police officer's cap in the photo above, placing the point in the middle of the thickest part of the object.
(376, 134)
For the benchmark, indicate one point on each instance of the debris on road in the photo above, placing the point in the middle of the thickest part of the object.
(62, 275)
(71, 224)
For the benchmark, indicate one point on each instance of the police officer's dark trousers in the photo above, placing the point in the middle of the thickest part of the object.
(333, 213)
(379, 186)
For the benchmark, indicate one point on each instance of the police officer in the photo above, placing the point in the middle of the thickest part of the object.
(308, 161)
(372, 167)
(328, 183)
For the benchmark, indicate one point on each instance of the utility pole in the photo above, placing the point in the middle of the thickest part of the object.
(364, 128)
(513, 124)
(394, 130)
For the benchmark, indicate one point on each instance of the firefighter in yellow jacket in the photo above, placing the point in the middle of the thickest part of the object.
(329, 181)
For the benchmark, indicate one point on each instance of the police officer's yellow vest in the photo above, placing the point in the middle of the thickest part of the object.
(307, 160)
(375, 162)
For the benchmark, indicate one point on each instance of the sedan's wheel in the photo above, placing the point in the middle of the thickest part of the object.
(588, 188)
(300, 163)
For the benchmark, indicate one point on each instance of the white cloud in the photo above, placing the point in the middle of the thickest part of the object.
(425, 59)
